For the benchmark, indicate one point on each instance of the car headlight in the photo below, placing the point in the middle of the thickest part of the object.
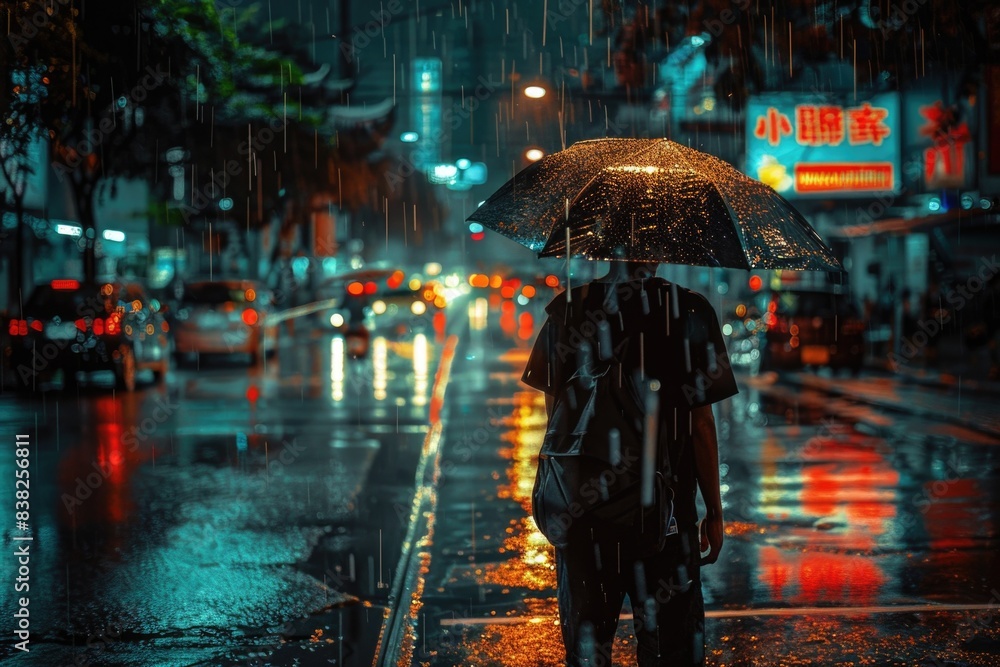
(336, 320)
(418, 308)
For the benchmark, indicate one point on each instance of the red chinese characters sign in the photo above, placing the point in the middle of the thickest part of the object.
(823, 148)
(944, 159)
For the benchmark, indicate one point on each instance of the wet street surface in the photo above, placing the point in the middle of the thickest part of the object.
(228, 514)
(861, 526)
(237, 516)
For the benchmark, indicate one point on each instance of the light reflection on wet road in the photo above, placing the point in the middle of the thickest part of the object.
(211, 515)
(201, 521)
(840, 541)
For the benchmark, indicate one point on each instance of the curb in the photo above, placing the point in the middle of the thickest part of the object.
(397, 638)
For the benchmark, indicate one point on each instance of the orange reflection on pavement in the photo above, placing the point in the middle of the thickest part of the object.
(531, 564)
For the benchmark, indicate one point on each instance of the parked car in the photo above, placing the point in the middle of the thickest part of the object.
(225, 317)
(68, 328)
(811, 328)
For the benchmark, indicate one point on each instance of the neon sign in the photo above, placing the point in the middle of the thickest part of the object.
(817, 148)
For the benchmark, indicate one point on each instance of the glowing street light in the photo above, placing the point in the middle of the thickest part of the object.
(534, 154)
(534, 92)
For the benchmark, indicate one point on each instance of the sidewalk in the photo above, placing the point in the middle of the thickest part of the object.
(957, 368)
(975, 410)
(485, 592)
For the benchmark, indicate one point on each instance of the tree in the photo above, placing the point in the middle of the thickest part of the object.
(124, 76)
(18, 131)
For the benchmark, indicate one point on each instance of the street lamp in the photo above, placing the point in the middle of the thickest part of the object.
(534, 92)
(534, 154)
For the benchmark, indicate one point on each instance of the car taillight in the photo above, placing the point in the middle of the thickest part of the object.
(112, 325)
(250, 317)
(18, 328)
(97, 326)
(36, 325)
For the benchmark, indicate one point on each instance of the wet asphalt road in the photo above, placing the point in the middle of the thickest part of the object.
(861, 525)
(228, 514)
(241, 516)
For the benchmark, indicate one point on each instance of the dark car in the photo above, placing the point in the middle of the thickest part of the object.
(70, 328)
(811, 328)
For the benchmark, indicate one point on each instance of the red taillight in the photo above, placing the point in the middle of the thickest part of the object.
(81, 324)
(18, 328)
(37, 325)
(355, 289)
(98, 326)
(370, 287)
(250, 317)
(112, 325)
(65, 284)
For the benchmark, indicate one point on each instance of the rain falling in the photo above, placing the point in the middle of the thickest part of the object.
(499, 332)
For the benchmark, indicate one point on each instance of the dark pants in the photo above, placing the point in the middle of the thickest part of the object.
(593, 579)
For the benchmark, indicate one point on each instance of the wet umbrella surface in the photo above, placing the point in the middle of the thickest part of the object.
(659, 201)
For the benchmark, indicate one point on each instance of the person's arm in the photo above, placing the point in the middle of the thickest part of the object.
(706, 458)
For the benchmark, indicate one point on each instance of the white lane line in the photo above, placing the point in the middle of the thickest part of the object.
(750, 613)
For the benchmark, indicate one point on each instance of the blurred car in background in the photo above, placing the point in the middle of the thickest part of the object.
(811, 328)
(225, 317)
(68, 329)
(384, 301)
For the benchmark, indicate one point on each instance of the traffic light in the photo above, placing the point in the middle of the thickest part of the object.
(477, 231)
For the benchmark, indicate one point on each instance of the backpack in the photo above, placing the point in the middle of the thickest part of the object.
(589, 481)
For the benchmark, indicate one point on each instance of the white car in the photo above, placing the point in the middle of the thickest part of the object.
(225, 317)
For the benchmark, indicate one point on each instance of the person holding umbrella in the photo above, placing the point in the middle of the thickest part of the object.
(631, 365)
(597, 568)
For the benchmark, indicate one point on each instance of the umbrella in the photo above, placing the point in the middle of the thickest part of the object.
(657, 201)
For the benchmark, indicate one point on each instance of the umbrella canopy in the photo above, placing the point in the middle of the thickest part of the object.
(652, 200)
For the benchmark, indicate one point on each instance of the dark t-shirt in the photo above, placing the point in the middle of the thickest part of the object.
(657, 331)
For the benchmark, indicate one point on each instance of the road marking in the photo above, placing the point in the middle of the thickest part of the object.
(749, 613)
